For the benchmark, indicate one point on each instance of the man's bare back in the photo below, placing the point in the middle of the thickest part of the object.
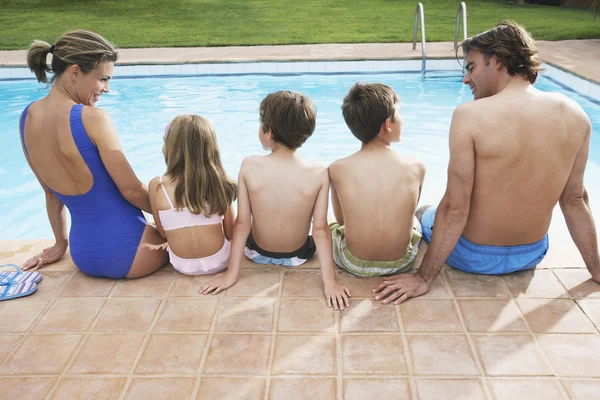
(526, 142)
(282, 193)
(378, 190)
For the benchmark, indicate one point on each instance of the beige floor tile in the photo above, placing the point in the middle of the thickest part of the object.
(373, 354)
(492, 315)
(81, 285)
(189, 286)
(187, 315)
(438, 289)
(172, 354)
(424, 315)
(591, 307)
(369, 316)
(582, 389)
(245, 315)
(472, 285)
(302, 389)
(69, 315)
(160, 388)
(452, 389)
(154, 285)
(555, 316)
(7, 344)
(51, 283)
(536, 283)
(25, 388)
(238, 354)
(306, 315)
(17, 315)
(107, 354)
(302, 283)
(256, 283)
(92, 388)
(441, 355)
(304, 354)
(578, 282)
(359, 287)
(526, 389)
(573, 355)
(213, 388)
(41, 355)
(510, 355)
(128, 315)
(361, 389)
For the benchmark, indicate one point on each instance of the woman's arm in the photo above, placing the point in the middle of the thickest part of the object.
(152, 190)
(102, 132)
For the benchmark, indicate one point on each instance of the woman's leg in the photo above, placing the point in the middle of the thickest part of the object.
(151, 254)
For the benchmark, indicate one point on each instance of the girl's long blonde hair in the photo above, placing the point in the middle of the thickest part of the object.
(193, 163)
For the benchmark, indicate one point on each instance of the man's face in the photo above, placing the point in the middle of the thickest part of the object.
(479, 74)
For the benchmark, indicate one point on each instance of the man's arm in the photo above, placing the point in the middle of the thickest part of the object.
(450, 220)
(575, 206)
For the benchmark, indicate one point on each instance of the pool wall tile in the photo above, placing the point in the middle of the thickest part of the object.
(252, 68)
(268, 67)
(5, 73)
(451, 65)
(124, 70)
(20, 73)
(142, 70)
(595, 91)
(398, 65)
(237, 68)
(205, 68)
(433, 65)
(189, 69)
(157, 70)
(300, 67)
(333, 66)
(349, 66)
(173, 69)
(414, 65)
(316, 67)
(285, 68)
(220, 68)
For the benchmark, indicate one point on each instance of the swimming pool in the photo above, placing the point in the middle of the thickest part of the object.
(141, 106)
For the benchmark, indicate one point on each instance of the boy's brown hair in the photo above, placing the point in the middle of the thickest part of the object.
(512, 45)
(366, 107)
(290, 116)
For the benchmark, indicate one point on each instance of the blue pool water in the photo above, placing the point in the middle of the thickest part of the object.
(141, 107)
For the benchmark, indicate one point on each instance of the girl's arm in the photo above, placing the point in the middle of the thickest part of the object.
(153, 187)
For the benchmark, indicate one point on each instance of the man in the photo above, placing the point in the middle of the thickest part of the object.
(514, 153)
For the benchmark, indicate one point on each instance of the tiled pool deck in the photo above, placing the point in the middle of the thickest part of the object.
(532, 335)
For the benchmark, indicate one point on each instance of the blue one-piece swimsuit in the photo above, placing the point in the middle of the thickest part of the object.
(106, 229)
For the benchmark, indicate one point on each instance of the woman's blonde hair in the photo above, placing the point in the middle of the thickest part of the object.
(84, 48)
(194, 164)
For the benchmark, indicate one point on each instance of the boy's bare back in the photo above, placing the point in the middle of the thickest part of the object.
(282, 192)
(378, 190)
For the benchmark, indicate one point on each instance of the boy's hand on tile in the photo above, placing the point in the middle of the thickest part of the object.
(337, 295)
(401, 288)
(220, 282)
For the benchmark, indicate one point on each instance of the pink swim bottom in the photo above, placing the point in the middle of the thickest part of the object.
(202, 266)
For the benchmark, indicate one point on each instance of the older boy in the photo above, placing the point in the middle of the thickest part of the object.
(376, 190)
(278, 196)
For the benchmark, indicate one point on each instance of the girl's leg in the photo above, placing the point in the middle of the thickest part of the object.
(151, 254)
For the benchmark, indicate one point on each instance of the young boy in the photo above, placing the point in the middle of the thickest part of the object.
(375, 191)
(278, 196)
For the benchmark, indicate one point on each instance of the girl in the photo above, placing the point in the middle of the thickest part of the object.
(192, 202)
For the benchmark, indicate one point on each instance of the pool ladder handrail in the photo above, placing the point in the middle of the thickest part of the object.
(419, 14)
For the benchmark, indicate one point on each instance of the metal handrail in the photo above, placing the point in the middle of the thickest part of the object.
(419, 13)
(462, 11)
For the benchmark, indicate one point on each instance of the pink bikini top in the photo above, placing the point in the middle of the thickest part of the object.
(172, 219)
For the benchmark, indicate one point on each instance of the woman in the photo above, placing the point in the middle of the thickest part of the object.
(73, 149)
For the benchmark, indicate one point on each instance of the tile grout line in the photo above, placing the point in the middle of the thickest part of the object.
(84, 338)
(412, 382)
(206, 349)
(147, 335)
(478, 362)
(337, 316)
(276, 314)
